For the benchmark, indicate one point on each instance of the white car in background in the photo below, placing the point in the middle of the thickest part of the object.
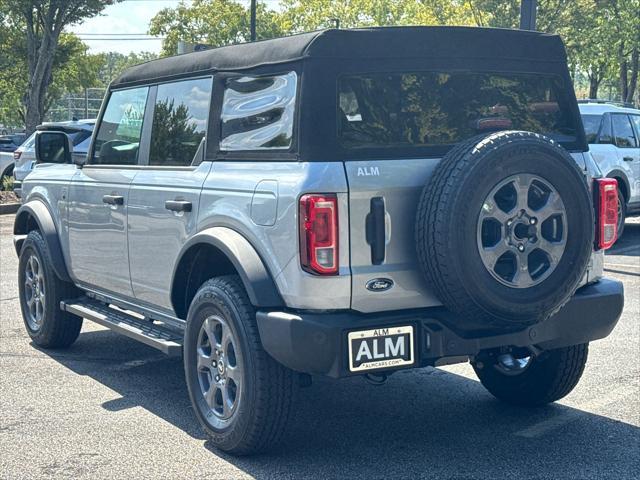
(613, 134)
(25, 155)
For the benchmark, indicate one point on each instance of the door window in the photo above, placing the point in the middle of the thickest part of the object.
(591, 127)
(180, 122)
(258, 112)
(623, 131)
(635, 119)
(118, 138)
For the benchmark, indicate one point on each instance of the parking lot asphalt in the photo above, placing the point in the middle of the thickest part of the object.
(109, 407)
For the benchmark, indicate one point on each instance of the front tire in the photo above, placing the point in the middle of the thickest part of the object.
(41, 292)
(536, 381)
(241, 396)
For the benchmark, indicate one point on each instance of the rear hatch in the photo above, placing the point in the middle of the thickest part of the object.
(397, 127)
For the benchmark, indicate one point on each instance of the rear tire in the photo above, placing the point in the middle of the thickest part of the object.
(41, 292)
(622, 213)
(547, 378)
(263, 389)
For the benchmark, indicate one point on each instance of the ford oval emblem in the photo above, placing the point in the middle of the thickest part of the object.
(379, 284)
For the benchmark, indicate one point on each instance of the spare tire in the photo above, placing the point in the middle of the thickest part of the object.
(505, 229)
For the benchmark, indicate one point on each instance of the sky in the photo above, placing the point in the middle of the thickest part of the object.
(128, 17)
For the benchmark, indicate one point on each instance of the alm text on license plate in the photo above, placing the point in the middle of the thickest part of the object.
(380, 348)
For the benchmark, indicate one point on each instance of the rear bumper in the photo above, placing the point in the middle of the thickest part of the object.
(316, 343)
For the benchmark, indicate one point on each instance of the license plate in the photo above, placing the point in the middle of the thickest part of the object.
(390, 347)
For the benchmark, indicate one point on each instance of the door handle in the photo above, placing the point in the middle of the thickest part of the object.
(375, 230)
(178, 205)
(113, 199)
(627, 159)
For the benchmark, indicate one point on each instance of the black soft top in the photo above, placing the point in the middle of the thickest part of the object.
(456, 43)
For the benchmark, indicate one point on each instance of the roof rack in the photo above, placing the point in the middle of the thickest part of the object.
(607, 102)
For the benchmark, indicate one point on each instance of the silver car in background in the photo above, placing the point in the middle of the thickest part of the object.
(25, 156)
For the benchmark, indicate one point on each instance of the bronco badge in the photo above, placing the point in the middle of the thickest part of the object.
(379, 284)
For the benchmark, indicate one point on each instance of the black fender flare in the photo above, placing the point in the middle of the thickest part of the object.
(37, 210)
(255, 277)
(620, 174)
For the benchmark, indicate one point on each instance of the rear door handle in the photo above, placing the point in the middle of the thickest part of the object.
(375, 230)
(627, 159)
(113, 199)
(178, 205)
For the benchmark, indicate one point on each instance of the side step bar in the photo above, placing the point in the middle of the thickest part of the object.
(155, 335)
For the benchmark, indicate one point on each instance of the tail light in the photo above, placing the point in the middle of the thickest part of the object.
(16, 155)
(319, 233)
(607, 212)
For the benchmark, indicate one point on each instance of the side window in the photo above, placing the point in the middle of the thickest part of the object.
(118, 138)
(258, 113)
(623, 132)
(591, 127)
(635, 119)
(605, 133)
(180, 122)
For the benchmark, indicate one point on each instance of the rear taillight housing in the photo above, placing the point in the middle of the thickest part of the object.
(16, 155)
(607, 212)
(319, 233)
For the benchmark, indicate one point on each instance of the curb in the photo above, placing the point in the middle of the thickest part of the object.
(8, 208)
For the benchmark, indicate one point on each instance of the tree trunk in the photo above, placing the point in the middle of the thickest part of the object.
(624, 70)
(633, 81)
(594, 84)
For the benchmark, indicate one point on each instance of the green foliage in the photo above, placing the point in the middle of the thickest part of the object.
(214, 22)
(7, 183)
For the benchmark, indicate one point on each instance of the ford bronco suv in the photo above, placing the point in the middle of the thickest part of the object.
(339, 203)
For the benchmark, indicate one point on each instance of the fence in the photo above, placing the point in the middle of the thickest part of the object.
(85, 104)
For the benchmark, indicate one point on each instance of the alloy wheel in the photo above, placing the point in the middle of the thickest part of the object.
(220, 369)
(522, 230)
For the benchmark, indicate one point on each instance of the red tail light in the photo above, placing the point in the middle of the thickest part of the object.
(16, 155)
(607, 212)
(319, 233)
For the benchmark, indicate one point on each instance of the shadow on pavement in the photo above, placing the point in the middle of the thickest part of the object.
(629, 243)
(421, 423)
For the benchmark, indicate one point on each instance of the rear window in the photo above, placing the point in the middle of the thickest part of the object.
(440, 109)
(591, 127)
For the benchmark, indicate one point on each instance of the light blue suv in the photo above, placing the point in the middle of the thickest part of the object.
(339, 203)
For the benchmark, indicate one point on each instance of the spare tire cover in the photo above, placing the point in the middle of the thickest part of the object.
(505, 229)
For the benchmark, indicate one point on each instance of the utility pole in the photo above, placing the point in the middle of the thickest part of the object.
(528, 14)
(253, 20)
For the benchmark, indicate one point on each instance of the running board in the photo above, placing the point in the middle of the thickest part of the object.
(150, 333)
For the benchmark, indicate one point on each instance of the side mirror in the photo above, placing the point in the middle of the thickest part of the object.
(53, 147)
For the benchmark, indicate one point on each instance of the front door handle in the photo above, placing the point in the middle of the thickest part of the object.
(178, 205)
(627, 159)
(113, 199)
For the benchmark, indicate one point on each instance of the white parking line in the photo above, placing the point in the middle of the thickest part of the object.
(565, 417)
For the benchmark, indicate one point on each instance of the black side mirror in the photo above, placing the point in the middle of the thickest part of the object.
(53, 147)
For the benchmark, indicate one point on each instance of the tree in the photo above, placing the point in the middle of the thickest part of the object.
(44, 21)
(114, 63)
(214, 22)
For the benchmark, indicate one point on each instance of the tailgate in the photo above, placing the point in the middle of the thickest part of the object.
(383, 198)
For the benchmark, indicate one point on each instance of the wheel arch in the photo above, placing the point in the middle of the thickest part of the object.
(221, 251)
(623, 182)
(34, 215)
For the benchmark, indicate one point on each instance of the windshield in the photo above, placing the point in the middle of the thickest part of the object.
(439, 108)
